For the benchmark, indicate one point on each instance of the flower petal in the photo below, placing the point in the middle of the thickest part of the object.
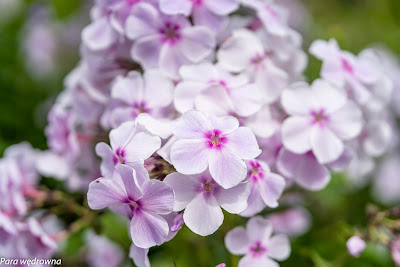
(226, 169)
(157, 197)
(236, 241)
(148, 229)
(197, 43)
(203, 215)
(248, 260)
(278, 247)
(139, 256)
(176, 7)
(346, 122)
(259, 229)
(104, 193)
(192, 124)
(141, 22)
(184, 187)
(127, 176)
(141, 146)
(296, 132)
(242, 143)
(190, 156)
(271, 189)
(325, 145)
(147, 51)
(234, 200)
(222, 7)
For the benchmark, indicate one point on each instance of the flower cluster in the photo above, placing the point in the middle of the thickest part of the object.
(185, 107)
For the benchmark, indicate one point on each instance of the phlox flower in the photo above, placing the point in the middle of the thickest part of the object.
(209, 13)
(216, 91)
(150, 93)
(257, 244)
(142, 200)
(320, 119)
(202, 199)
(167, 42)
(292, 222)
(266, 187)
(130, 145)
(218, 143)
(102, 252)
(355, 245)
(346, 70)
(244, 52)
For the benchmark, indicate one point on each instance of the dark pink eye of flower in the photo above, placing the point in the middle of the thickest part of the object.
(209, 187)
(119, 156)
(140, 107)
(132, 2)
(258, 60)
(319, 117)
(347, 66)
(196, 2)
(257, 249)
(170, 32)
(256, 172)
(215, 139)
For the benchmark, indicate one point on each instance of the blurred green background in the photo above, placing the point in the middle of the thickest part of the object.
(356, 24)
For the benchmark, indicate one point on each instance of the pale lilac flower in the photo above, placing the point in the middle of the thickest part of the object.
(386, 185)
(266, 187)
(292, 222)
(257, 244)
(346, 70)
(321, 118)
(7, 228)
(167, 42)
(209, 13)
(202, 199)
(304, 169)
(142, 200)
(149, 94)
(130, 145)
(355, 246)
(100, 34)
(244, 52)
(218, 143)
(102, 252)
(216, 91)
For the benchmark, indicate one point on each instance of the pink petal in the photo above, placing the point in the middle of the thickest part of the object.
(234, 200)
(296, 132)
(192, 124)
(325, 145)
(185, 95)
(120, 136)
(236, 241)
(222, 7)
(142, 20)
(278, 247)
(247, 100)
(148, 229)
(271, 189)
(175, 7)
(203, 215)
(161, 128)
(141, 146)
(139, 256)
(171, 59)
(226, 124)
(127, 176)
(215, 100)
(184, 187)
(259, 229)
(255, 203)
(191, 72)
(190, 156)
(147, 51)
(226, 169)
(104, 193)
(242, 143)
(346, 122)
(327, 96)
(298, 101)
(197, 43)
(157, 197)
(205, 17)
(159, 89)
(99, 35)
(128, 89)
(248, 260)
(271, 80)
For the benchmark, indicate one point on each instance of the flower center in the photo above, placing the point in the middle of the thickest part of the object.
(132, 2)
(196, 2)
(208, 187)
(319, 117)
(347, 66)
(119, 156)
(215, 139)
(256, 171)
(257, 249)
(140, 107)
(258, 61)
(170, 32)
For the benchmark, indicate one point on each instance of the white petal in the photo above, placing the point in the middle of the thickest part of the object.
(242, 143)
(296, 133)
(234, 200)
(190, 156)
(278, 247)
(325, 145)
(236, 241)
(185, 189)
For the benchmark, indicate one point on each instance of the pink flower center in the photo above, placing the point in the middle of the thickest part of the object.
(257, 249)
(347, 66)
(256, 172)
(209, 187)
(223, 84)
(119, 156)
(196, 2)
(170, 33)
(140, 107)
(319, 117)
(215, 139)
(132, 2)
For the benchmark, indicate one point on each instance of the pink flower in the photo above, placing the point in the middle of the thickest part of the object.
(218, 143)
(355, 246)
(102, 252)
(292, 222)
(321, 118)
(345, 70)
(244, 52)
(167, 42)
(256, 243)
(150, 93)
(202, 199)
(216, 91)
(130, 145)
(141, 200)
(266, 187)
(209, 13)
(395, 249)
